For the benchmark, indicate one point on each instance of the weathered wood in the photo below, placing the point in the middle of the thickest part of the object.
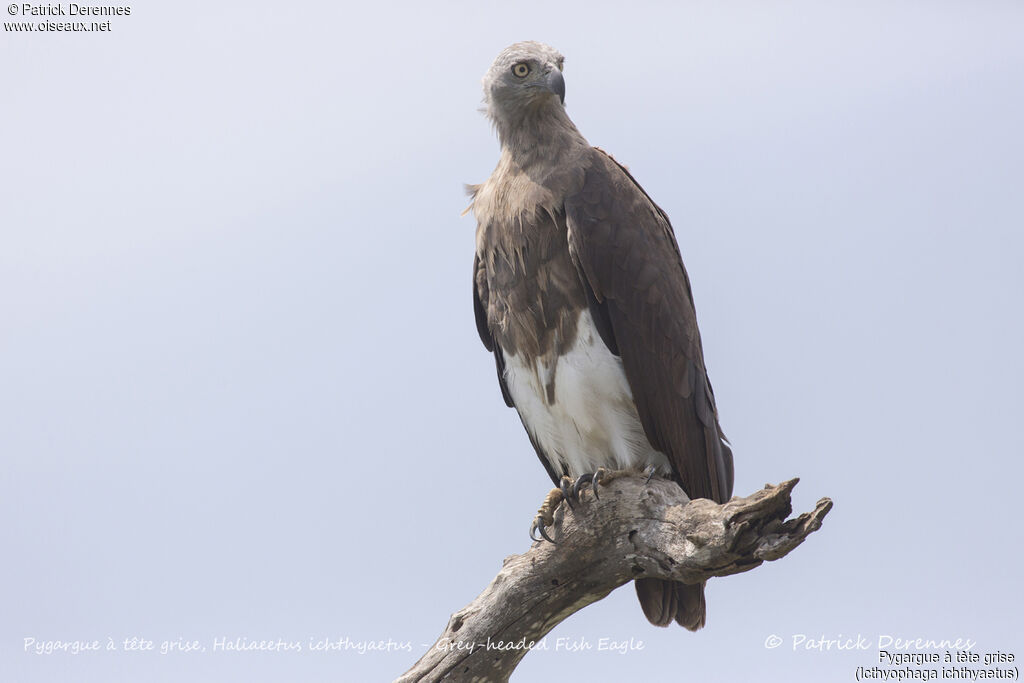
(636, 529)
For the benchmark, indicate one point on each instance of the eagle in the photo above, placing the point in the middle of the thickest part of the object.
(580, 293)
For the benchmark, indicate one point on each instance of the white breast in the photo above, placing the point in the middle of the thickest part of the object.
(592, 421)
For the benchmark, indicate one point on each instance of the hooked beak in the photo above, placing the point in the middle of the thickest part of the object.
(556, 84)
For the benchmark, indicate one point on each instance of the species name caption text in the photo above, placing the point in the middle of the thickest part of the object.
(958, 665)
(64, 17)
(909, 659)
(345, 644)
(240, 644)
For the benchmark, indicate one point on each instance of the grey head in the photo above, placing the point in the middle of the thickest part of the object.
(525, 77)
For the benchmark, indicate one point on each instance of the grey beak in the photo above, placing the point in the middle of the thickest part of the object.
(556, 84)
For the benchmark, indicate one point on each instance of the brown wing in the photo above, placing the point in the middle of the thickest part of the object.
(480, 295)
(480, 311)
(639, 294)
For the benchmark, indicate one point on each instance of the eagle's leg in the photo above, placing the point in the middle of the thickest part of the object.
(546, 515)
(569, 491)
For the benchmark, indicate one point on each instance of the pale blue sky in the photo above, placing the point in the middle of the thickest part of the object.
(241, 391)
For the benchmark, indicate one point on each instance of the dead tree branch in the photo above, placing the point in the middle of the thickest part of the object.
(636, 529)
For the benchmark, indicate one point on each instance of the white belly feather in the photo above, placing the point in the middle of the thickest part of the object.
(592, 421)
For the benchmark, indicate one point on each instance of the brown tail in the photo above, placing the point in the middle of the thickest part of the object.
(666, 601)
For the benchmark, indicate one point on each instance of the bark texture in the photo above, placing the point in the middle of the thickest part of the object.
(636, 529)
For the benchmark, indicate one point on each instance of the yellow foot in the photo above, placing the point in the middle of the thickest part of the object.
(546, 515)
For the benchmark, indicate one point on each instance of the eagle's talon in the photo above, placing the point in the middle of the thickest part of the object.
(591, 479)
(569, 492)
(598, 478)
(539, 526)
(580, 481)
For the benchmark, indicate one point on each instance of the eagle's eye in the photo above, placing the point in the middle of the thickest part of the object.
(521, 70)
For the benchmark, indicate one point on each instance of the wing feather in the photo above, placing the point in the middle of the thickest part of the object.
(480, 312)
(627, 258)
